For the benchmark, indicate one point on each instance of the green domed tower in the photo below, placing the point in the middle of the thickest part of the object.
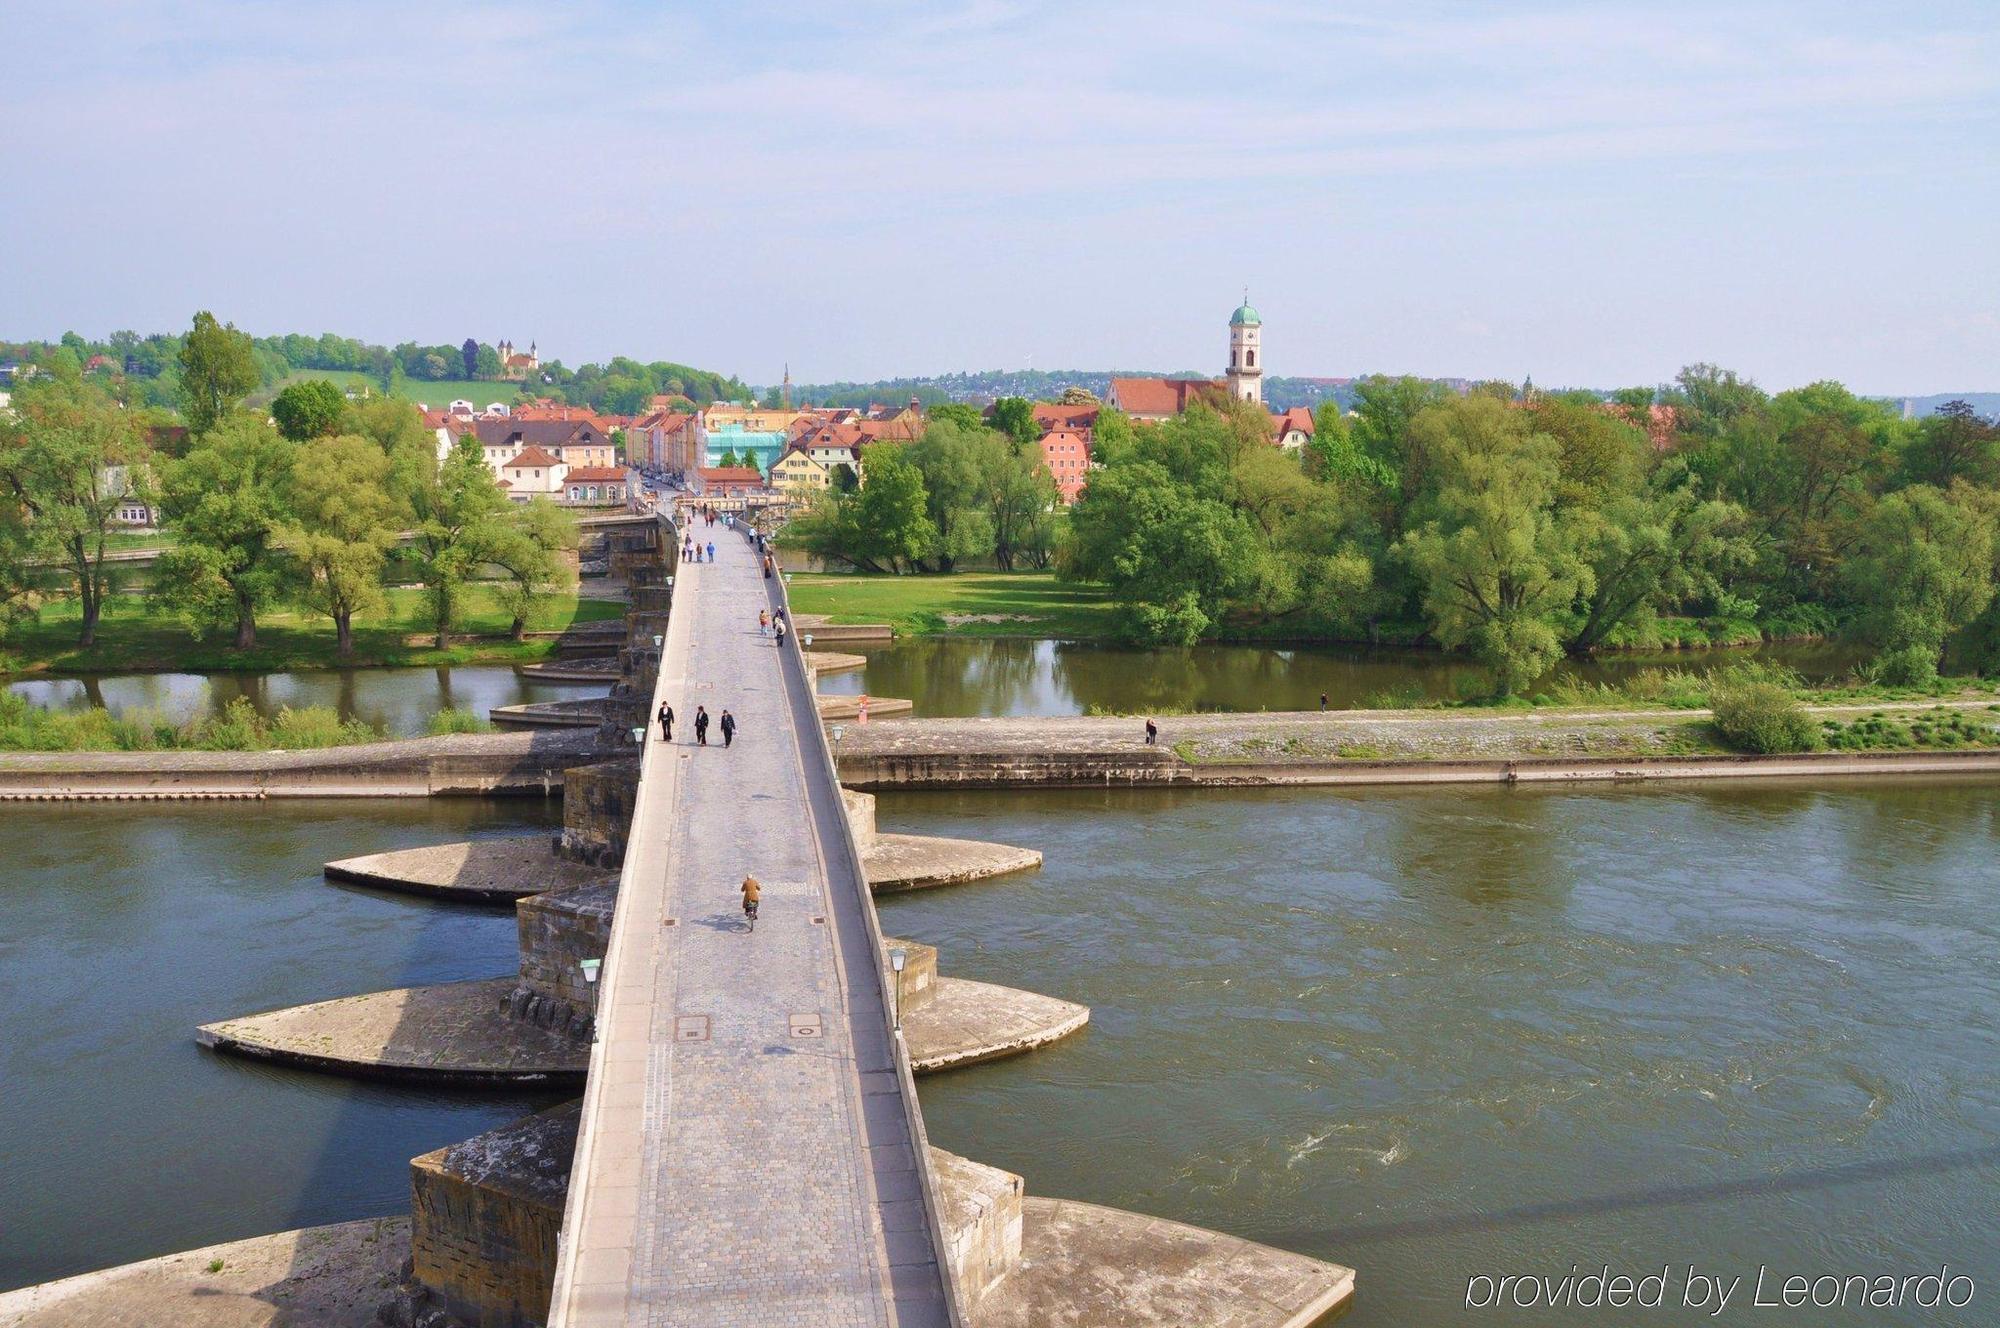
(1246, 369)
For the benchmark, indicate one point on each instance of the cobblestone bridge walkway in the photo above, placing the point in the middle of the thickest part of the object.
(750, 1152)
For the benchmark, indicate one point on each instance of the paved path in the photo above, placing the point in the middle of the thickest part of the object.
(750, 1152)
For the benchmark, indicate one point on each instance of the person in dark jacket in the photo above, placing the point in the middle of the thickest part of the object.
(728, 728)
(1152, 733)
(701, 726)
(666, 718)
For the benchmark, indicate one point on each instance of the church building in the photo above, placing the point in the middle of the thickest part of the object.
(1154, 399)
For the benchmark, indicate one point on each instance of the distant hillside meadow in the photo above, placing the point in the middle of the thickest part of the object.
(145, 371)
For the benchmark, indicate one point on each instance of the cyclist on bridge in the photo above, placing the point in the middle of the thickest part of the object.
(752, 892)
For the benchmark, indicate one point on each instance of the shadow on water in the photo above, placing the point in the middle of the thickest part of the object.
(1665, 1196)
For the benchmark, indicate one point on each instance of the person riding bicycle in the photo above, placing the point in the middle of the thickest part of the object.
(752, 892)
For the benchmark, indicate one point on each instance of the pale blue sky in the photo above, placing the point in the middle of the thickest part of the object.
(1592, 193)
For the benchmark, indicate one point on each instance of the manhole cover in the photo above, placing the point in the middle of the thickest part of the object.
(807, 1026)
(691, 1028)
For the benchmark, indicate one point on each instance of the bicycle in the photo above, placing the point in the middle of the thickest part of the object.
(750, 912)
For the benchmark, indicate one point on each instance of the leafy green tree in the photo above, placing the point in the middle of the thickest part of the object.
(893, 509)
(531, 549)
(1175, 557)
(486, 364)
(311, 409)
(391, 423)
(69, 459)
(468, 354)
(1015, 417)
(1924, 569)
(459, 517)
(217, 368)
(956, 412)
(727, 459)
(1649, 548)
(1499, 568)
(1953, 444)
(1020, 497)
(952, 460)
(1383, 411)
(342, 518)
(226, 501)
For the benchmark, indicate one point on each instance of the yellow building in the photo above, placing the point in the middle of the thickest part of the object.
(796, 471)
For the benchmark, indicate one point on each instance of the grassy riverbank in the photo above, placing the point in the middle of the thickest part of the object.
(143, 634)
(959, 604)
(239, 728)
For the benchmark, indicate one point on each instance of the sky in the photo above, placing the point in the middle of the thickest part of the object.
(1591, 194)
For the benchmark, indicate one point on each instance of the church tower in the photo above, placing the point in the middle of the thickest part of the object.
(1246, 366)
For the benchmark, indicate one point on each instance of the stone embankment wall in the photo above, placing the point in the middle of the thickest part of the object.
(598, 801)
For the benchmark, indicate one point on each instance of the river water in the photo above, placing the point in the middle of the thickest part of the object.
(121, 929)
(1430, 1033)
(1438, 1033)
(399, 702)
(972, 676)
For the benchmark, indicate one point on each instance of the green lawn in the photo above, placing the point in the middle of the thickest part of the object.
(961, 604)
(435, 394)
(140, 633)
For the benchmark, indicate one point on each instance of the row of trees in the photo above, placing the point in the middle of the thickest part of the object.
(963, 492)
(145, 370)
(1520, 526)
(315, 511)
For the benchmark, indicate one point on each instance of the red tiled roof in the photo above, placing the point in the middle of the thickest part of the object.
(1055, 415)
(1160, 396)
(531, 456)
(595, 473)
(732, 475)
(1298, 417)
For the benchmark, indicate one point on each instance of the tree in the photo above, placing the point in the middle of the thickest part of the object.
(311, 409)
(530, 549)
(459, 515)
(342, 518)
(1015, 417)
(469, 355)
(1497, 564)
(487, 363)
(1924, 570)
(217, 368)
(1020, 497)
(728, 458)
(391, 423)
(953, 460)
(957, 412)
(226, 500)
(881, 526)
(1174, 556)
(1651, 547)
(1077, 396)
(69, 459)
(1954, 444)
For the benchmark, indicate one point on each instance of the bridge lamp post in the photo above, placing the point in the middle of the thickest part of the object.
(897, 958)
(639, 737)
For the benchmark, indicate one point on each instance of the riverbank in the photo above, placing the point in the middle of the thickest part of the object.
(1298, 747)
(489, 764)
(142, 634)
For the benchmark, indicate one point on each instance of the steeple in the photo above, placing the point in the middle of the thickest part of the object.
(787, 396)
(1246, 336)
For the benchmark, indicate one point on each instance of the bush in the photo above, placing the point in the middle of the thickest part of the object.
(1180, 623)
(1905, 666)
(1754, 714)
(316, 726)
(449, 720)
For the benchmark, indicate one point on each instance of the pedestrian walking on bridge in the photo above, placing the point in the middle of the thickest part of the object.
(779, 626)
(666, 718)
(711, 550)
(701, 726)
(728, 728)
(1152, 733)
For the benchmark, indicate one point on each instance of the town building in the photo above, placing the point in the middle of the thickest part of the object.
(1293, 429)
(532, 472)
(515, 367)
(596, 486)
(726, 482)
(798, 474)
(1155, 399)
(1066, 452)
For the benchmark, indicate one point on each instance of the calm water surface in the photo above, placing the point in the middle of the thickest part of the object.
(400, 702)
(120, 930)
(964, 676)
(1431, 1034)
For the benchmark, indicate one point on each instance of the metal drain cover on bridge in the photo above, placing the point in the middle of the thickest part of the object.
(808, 1026)
(691, 1028)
